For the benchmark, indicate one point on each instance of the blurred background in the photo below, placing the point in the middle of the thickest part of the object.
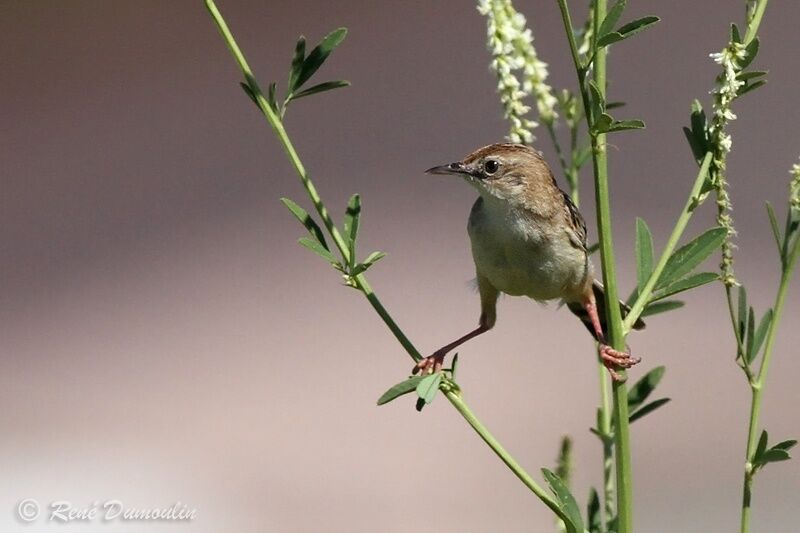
(165, 339)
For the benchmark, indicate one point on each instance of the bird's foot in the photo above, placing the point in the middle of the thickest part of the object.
(615, 360)
(431, 364)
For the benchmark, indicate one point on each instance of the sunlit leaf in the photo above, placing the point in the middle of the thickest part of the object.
(565, 500)
(623, 125)
(352, 216)
(690, 255)
(661, 307)
(689, 282)
(612, 17)
(428, 386)
(404, 387)
(306, 220)
(317, 248)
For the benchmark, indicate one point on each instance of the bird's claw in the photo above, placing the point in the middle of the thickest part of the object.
(615, 359)
(430, 365)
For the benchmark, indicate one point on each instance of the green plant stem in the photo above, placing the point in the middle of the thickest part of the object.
(755, 22)
(757, 384)
(313, 195)
(677, 232)
(501, 452)
(615, 334)
(608, 451)
(360, 279)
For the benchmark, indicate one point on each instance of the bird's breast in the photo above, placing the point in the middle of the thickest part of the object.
(521, 256)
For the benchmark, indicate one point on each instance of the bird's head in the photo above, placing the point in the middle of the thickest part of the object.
(511, 172)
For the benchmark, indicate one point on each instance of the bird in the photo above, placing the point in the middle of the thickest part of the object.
(528, 239)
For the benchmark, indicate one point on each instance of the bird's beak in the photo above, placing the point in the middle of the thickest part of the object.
(452, 168)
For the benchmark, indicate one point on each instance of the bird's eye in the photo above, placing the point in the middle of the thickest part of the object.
(491, 166)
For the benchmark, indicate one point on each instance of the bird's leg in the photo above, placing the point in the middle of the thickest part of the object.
(612, 359)
(433, 363)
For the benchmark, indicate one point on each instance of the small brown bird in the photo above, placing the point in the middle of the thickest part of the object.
(528, 239)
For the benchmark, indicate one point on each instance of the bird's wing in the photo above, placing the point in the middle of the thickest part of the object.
(576, 227)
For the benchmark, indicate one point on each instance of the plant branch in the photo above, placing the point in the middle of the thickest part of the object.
(757, 384)
(755, 22)
(613, 317)
(360, 280)
(675, 237)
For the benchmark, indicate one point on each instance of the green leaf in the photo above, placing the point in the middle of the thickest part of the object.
(297, 63)
(639, 392)
(351, 220)
(603, 123)
(751, 87)
(760, 334)
(374, 257)
(697, 135)
(593, 248)
(593, 511)
(689, 256)
(661, 307)
(785, 445)
(647, 409)
(565, 500)
(622, 125)
(776, 232)
(644, 253)
(317, 248)
(598, 102)
(750, 333)
(248, 91)
(322, 87)
(762, 445)
(742, 314)
(306, 220)
(371, 259)
(735, 37)
(404, 387)
(615, 105)
(628, 30)
(428, 386)
(771, 456)
(317, 57)
(689, 282)
(612, 17)
(751, 74)
(273, 103)
(751, 52)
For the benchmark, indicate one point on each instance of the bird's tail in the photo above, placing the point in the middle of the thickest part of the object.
(600, 298)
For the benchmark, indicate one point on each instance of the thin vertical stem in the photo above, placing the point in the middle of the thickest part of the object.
(608, 450)
(614, 320)
(757, 384)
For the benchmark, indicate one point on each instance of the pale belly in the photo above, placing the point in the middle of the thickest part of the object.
(543, 267)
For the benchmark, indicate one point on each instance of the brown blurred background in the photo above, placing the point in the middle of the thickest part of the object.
(165, 339)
